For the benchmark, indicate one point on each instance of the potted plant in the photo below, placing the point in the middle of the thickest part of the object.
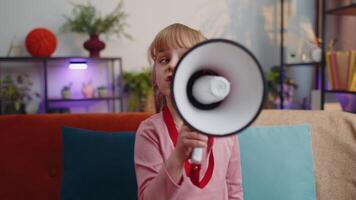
(66, 92)
(273, 88)
(102, 92)
(86, 19)
(139, 88)
(16, 94)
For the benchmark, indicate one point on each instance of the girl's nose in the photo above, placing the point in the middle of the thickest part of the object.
(173, 63)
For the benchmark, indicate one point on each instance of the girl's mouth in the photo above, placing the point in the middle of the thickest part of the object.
(169, 78)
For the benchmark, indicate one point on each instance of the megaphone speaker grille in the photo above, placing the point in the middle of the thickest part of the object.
(196, 103)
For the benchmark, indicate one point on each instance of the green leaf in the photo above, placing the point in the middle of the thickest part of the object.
(86, 19)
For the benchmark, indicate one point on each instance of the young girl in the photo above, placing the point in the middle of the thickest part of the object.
(164, 144)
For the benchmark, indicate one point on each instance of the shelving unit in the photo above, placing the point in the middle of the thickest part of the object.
(320, 67)
(84, 99)
(283, 64)
(302, 64)
(343, 10)
(347, 10)
(114, 65)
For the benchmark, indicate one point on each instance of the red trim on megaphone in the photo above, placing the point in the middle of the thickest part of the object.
(192, 170)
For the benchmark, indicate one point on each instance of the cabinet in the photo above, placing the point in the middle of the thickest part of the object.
(81, 76)
(327, 12)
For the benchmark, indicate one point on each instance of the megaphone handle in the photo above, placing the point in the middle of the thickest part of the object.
(197, 155)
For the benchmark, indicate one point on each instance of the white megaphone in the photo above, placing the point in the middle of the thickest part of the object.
(218, 89)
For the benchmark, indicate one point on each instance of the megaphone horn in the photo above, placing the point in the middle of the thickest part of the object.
(218, 87)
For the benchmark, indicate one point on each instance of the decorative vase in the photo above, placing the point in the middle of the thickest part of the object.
(32, 107)
(316, 54)
(102, 92)
(94, 45)
(66, 94)
(88, 90)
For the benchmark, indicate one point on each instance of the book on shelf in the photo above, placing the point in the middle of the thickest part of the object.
(342, 66)
(353, 84)
(352, 72)
(334, 71)
(341, 69)
(329, 71)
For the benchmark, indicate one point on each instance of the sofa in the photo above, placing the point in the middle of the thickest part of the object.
(31, 150)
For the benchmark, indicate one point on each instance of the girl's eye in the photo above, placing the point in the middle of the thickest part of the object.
(163, 60)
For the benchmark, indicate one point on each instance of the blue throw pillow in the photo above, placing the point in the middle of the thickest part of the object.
(277, 163)
(98, 165)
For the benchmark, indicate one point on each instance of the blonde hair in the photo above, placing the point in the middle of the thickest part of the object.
(173, 36)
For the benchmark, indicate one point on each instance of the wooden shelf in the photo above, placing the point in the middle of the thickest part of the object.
(343, 10)
(312, 64)
(85, 99)
(57, 58)
(340, 91)
(301, 64)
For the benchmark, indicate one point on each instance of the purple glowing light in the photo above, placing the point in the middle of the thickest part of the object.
(78, 65)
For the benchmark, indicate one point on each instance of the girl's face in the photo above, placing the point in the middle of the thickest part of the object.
(165, 63)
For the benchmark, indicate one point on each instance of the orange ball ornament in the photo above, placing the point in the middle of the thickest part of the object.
(41, 42)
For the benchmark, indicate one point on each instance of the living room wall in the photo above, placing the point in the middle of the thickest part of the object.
(239, 20)
(255, 24)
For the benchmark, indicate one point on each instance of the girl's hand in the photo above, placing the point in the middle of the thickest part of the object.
(187, 140)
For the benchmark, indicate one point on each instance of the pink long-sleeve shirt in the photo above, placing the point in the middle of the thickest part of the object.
(153, 146)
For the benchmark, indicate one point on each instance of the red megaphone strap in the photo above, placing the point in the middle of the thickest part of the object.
(192, 170)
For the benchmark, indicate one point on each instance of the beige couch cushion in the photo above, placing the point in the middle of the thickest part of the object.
(334, 148)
